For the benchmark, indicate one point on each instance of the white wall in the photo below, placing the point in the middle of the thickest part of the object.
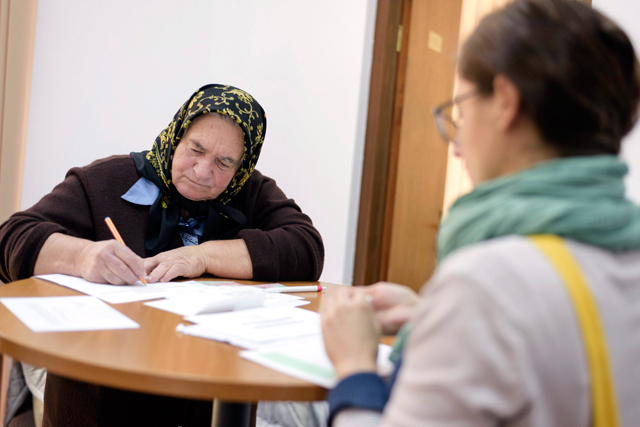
(109, 75)
(626, 13)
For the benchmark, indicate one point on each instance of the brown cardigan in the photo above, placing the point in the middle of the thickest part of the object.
(282, 242)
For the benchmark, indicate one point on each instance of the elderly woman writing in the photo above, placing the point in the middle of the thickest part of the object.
(193, 204)
(196, 185)
(499, 336)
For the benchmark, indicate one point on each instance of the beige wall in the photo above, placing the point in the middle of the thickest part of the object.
(17, 35)
(109, 75)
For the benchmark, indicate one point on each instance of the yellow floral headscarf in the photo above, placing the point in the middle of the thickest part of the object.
(227, 100)
(223, 221)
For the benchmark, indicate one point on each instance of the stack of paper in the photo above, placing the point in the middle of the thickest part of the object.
(254, 327)
(306, 358)
(288, 340)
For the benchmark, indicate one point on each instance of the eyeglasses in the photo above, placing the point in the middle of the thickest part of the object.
(447, 118)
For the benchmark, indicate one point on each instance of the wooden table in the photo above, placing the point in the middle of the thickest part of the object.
(153, 358)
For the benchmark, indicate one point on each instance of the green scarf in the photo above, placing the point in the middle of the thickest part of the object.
(579, 198)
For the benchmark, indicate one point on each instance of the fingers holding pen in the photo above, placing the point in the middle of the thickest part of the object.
(131, 264)
(109, 262)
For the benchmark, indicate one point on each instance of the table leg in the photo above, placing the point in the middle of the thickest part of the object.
(6, 363)
(233, 414)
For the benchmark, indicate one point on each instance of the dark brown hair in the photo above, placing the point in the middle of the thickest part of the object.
(575, 69)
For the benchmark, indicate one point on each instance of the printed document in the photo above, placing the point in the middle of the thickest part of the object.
(257, 326)
(59, 314)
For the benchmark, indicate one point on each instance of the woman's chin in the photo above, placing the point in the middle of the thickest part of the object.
(194, 196)
(198, 198)
(194, 192)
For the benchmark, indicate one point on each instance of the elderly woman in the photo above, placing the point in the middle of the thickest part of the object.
(192, 205)
(548, 88)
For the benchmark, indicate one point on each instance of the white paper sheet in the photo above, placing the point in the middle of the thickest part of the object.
(121, 294)
(202, 331)
(59, 314)
(216, 299)
(212, 299)
(259, 326)
(277, 300)
(306, 358)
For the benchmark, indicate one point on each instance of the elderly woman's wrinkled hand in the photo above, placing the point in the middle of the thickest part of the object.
(350, 330)
(187, 261)
(394, 305)
(109, 261)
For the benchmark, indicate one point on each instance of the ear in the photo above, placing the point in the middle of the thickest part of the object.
(506, 102)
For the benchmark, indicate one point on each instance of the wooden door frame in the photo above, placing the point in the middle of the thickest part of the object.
(17, 40)
(383, 111)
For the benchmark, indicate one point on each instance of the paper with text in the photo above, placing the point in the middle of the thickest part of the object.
(73, 313)
(260, 326)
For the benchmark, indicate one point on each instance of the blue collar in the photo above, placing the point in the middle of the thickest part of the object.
(143, 192)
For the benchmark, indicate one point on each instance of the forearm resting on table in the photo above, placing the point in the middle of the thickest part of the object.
(227, 258)
(59, 255)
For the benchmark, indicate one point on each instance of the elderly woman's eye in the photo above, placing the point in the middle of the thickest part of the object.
(224, 164)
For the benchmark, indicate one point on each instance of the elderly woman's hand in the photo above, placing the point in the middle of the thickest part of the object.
(222, 258)
(109, 261)
(188, 261)
(350, 330)
(394, 304)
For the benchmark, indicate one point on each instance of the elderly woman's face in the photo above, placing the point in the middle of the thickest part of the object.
(207, 157)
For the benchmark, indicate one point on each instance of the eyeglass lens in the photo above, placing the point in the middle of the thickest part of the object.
(448, 122)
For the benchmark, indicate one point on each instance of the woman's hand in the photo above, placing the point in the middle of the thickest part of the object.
(188, 261)
(350, 330)
(393, 304)
(109, 261)
(222, 258)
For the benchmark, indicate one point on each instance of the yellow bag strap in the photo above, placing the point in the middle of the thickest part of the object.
(603, 393)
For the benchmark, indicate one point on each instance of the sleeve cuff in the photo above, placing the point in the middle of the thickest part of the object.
(365, 391)
(263, 254)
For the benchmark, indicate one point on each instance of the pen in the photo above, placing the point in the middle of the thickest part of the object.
(314, 288)
(117, 236)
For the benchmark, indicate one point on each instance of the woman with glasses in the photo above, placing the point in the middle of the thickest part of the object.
(498, 336)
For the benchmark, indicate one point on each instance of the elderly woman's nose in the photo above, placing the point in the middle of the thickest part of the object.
(203, 169)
